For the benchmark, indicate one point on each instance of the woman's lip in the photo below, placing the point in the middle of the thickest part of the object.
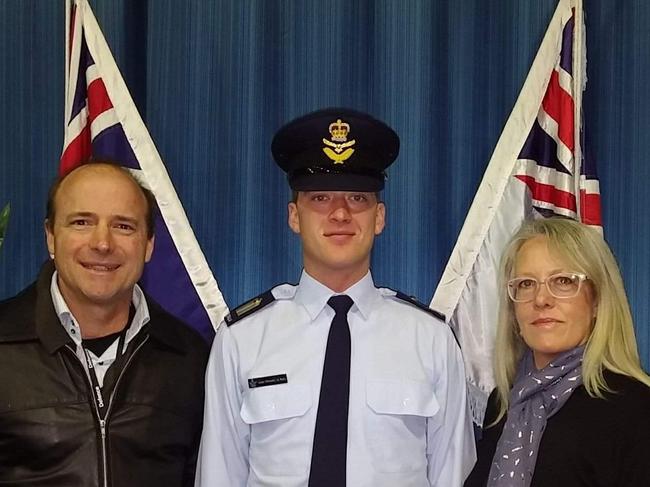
(544, 321)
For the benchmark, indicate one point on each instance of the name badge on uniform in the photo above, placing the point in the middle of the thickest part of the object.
(270, 380)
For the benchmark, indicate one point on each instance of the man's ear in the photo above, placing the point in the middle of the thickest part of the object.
(293, 219)
(49, 238)
(380, 218)
(149, 249)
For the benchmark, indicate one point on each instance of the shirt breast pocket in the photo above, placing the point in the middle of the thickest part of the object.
(398, 413)
(280, 435)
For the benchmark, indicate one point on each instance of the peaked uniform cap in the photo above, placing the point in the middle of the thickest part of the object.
(335, 149)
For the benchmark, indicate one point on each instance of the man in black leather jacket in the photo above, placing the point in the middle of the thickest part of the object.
(98, 385)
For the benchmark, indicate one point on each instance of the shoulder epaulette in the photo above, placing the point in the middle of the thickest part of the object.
(412, 300)
(249, 307)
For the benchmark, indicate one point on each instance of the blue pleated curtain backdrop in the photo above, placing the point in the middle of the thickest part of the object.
(214, 80)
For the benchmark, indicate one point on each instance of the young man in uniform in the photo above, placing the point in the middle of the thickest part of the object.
(333, 381)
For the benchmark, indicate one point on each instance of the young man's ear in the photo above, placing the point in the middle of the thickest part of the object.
(293, 219)
(380, 219)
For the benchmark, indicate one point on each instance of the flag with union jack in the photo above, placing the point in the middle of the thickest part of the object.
(537, 170)
(102, 122)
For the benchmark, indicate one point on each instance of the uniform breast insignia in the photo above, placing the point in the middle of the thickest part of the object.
(412, 300)
(249, 307)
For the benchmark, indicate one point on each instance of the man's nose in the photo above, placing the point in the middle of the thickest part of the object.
(101, 238)
(340, 210)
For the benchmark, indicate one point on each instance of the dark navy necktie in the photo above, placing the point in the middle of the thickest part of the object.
(331, 435)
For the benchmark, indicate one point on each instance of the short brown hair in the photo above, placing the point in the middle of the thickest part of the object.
(150, 215)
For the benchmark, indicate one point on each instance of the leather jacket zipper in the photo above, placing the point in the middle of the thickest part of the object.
(103, 422)
(110, 406)
(97, 416)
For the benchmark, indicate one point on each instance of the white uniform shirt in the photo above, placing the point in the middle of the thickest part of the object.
(408, 423)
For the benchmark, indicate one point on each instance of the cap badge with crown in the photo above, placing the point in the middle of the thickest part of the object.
(339, 149)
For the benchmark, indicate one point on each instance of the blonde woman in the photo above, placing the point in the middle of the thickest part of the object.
(572, 404)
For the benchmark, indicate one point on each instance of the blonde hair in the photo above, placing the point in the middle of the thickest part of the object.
(612, 343)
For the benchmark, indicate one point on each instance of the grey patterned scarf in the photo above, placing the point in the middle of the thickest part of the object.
(535, 396)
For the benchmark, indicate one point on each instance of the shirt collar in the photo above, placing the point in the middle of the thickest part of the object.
(71, 325)
(313, 295)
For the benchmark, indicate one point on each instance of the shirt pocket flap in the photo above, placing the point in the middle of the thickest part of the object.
(403, 398)
(275, 402)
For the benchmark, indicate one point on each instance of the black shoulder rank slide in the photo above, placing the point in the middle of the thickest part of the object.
(422, 306)
(249, 307)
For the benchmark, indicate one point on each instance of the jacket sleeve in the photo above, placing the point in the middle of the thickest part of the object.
(633, 448)
(223, 454)
(450, 440)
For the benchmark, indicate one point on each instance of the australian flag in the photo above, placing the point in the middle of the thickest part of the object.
(537, 170)
(102, 122)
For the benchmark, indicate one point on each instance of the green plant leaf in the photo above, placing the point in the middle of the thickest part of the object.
(4, 221)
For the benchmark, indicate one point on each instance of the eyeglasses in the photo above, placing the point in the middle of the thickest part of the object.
(563, 285)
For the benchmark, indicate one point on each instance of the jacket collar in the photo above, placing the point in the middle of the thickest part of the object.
(31, 316)
(47, 325)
